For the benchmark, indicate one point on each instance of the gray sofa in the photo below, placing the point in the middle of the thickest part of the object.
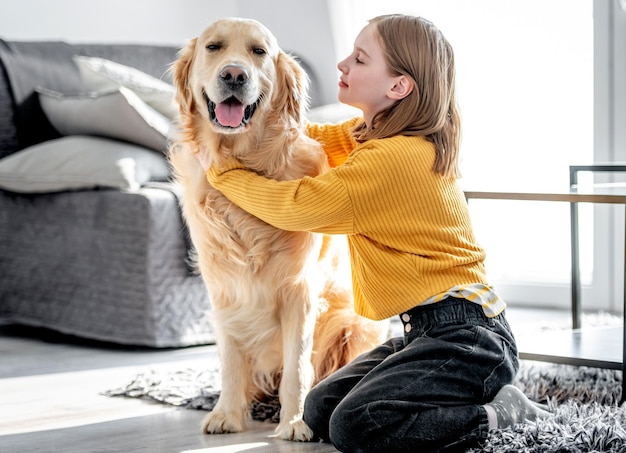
(92, 242)
(91, 238)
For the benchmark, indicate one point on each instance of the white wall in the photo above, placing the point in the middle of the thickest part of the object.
(301, 27)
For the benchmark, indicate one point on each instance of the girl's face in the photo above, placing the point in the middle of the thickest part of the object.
(365, 81)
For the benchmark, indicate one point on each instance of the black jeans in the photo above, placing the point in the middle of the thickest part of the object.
(423, 392)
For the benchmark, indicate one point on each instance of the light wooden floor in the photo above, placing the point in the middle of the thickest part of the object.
(50, 400)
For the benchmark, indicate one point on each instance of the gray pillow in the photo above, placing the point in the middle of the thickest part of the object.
(100, 74)
(119, 114)
(80, 162)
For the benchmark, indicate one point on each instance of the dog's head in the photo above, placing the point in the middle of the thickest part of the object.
(234, 74)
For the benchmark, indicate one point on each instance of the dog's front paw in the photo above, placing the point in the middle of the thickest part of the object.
(218, 422)
(294, 430)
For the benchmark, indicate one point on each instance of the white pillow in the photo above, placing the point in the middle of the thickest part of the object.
(80, 162)
(332, 113)
(119, 114)
(100, 74)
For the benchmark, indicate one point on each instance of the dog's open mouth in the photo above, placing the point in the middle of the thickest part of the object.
(230, 112)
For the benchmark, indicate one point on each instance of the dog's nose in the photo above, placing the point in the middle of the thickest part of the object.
(234, 75)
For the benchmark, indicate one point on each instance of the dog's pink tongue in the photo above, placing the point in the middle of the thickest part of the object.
(229, 113)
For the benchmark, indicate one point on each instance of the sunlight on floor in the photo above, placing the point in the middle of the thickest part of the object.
(86, 405)
(229, 448)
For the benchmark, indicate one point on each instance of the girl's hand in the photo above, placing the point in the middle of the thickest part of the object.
(218, 167)
(213, 170)
(203, 159)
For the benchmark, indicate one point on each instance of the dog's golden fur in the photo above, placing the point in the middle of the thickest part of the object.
(283, 318)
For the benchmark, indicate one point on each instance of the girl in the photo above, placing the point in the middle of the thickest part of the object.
(393, 192)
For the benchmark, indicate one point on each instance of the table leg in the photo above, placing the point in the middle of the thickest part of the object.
(575, 284)
(624, 322)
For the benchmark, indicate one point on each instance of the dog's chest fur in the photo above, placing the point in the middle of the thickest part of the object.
(242, 240)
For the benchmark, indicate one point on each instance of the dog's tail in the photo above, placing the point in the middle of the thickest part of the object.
(340, 333)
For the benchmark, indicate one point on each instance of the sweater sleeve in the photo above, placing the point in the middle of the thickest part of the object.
(318, 204)
(336, 139)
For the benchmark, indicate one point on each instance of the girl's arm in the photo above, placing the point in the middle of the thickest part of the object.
(318, 204)
(335, 138)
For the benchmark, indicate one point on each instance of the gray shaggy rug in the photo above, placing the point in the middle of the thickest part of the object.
(585, 401)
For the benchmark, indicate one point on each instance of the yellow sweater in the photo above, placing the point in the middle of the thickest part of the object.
(408, 229)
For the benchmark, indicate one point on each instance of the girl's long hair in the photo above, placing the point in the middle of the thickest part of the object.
(414, 47)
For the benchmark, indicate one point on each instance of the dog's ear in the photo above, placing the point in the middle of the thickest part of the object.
(292, 87)
(181, 68)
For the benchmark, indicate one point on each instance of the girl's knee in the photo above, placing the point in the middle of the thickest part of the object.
(346, 430)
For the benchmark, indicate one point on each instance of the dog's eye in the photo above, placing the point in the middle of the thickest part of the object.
(213, 47)
(259, 51)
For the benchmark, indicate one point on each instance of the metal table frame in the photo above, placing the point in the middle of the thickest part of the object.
(576, 290)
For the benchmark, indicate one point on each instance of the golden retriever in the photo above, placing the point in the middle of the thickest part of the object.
(283, 317)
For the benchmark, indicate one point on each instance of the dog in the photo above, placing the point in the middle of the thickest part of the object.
(283, 316)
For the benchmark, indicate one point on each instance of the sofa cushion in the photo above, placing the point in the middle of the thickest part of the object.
(119, 114)
(332, 113)
(80, 162)
(100, 74)
(8, 134)
(28, 65)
